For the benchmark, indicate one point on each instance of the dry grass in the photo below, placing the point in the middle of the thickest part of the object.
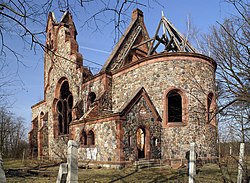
(34, 171)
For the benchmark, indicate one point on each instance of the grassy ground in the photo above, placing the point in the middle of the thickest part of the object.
(34, 171)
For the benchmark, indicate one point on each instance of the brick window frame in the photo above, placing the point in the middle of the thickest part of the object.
(184, 102)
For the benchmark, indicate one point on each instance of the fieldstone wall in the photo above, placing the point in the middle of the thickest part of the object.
(101, 86)
(189, 72)
(61, 65)
(105, 147)
(38, 112)
(140, 116)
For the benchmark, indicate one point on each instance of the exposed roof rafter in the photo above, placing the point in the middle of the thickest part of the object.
(171, 38)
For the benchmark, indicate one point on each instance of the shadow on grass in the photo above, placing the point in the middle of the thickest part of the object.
(123, 177)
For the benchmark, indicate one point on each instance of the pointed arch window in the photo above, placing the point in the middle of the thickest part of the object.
(64, 109)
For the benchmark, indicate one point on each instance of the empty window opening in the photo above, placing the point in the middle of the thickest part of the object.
(92, 97)
(64, 109)
(91, 138)
(41, 119)
(129, 140)
(84, 138)
(174, 107)
(210, 107)
(155, 141)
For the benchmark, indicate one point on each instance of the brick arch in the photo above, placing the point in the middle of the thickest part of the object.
(184, 107)
(58, 86)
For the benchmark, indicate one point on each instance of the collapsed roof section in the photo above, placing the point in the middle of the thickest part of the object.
(171, 38)
(136, 44)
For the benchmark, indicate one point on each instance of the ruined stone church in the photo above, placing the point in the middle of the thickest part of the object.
(143, 104)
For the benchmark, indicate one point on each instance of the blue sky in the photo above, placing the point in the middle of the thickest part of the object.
(96, 46)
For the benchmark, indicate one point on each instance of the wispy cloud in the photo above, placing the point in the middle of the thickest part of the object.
(93, 49)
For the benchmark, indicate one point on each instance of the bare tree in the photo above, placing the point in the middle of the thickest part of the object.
(228, 43)
(12, 134)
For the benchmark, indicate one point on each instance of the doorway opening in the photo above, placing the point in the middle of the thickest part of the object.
(140, 142)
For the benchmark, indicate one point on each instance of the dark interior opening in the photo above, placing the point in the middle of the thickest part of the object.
(174, 107)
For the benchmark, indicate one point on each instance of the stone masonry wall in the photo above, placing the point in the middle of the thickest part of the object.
(191, 73)
(130, 126)
(105, 142)
(96, 86)
(64, 66)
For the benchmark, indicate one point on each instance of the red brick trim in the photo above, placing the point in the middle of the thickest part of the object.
(184, 98)
(119, 145)
(58, 86)
(54, 118)
(165, 57)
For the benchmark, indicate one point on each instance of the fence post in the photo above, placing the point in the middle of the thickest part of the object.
(72, 161)
(191, 164)
(240, 164)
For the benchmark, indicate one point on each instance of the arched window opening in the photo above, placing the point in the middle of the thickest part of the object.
(64, 109)
(64, 91)
(174, 106)
(91, 98)
(210, 107)
(155, 141)
(91, 138)
(41, 119)
(84, 138)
